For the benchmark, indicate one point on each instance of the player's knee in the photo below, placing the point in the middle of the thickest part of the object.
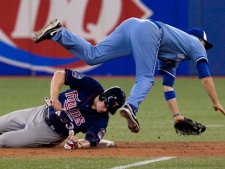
(4, 142)
(90, 62)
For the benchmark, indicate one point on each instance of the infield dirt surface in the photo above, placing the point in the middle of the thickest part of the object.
(125, 149)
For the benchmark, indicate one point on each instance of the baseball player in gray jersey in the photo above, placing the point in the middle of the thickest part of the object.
(83, 107)
(148, 41)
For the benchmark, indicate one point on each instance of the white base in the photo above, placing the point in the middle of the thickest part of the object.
(104, 143)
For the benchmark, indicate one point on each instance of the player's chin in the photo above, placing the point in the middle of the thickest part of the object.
(102, 111)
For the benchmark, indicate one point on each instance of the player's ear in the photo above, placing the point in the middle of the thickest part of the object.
(202, 41)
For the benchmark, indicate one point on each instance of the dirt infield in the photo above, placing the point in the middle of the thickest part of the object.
(125, 149)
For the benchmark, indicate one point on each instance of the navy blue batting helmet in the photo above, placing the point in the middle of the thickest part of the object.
(114, 98)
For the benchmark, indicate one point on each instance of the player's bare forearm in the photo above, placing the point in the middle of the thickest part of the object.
(83, 144)
(55, 86)
(172, 104)
(209, 87)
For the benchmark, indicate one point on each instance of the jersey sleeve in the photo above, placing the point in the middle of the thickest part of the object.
(96, 131)
(73, 78)
(203, 69)
(197, 52)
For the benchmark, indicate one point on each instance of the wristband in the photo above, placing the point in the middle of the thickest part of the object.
(170, 95)
(175, 115)
(80, 145)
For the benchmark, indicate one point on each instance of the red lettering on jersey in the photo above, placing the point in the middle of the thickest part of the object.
(71, 101)
(79, 121)
(75, 113)
(77, 117)
(70, 105)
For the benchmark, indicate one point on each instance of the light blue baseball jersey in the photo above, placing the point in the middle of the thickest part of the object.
(176, 46)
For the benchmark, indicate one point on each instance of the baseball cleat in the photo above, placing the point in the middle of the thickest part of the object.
(127, 112)
(48, 31)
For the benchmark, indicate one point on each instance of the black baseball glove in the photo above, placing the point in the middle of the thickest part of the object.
(189, 127)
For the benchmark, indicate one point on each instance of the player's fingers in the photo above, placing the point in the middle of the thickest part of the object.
(73, 138)
(57, 105)
(221, 110)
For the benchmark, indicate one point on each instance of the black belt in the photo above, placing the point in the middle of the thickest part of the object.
(51, 126)
(159, 26)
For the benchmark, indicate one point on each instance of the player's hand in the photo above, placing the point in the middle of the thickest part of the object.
(56, 105)
(178, 118)
(73, 138)
(219, 107)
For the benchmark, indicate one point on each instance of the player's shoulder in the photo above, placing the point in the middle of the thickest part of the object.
(73, 73)
(92, 83)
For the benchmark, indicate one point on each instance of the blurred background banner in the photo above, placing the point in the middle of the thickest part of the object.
(94, 20)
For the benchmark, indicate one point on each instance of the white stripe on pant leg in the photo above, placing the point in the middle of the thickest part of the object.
(143, 162)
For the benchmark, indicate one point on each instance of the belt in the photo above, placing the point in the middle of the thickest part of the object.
(49, 123)
(159, 26)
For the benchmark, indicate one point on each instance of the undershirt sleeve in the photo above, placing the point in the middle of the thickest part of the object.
(203, 69)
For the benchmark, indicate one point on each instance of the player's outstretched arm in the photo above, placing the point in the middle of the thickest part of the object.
(207, 83)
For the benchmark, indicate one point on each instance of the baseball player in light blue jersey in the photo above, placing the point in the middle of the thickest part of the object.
(148, 41)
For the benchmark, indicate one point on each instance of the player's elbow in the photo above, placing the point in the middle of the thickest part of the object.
(206, 80)
(4, 142)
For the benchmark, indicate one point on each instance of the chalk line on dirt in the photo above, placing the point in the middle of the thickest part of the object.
(143, 163)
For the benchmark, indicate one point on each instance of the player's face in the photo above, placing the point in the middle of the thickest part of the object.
(101, 107)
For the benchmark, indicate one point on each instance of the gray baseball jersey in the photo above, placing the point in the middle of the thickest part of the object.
(43, 126)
